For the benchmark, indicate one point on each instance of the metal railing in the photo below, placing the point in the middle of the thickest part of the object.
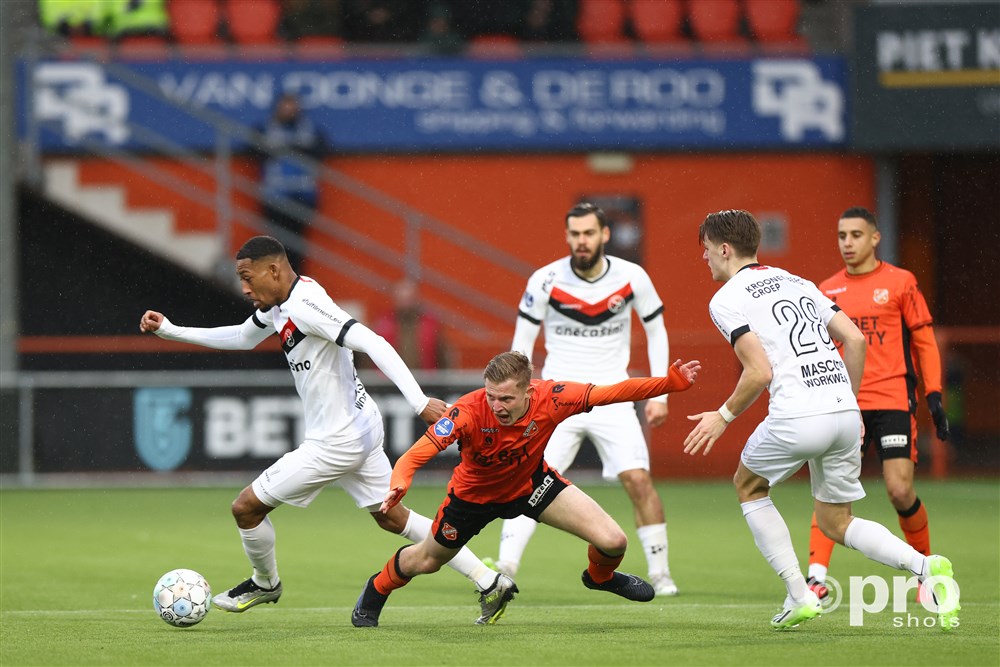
(222, 186)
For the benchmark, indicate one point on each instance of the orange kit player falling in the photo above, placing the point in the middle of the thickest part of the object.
(885, 303)
(502, 431)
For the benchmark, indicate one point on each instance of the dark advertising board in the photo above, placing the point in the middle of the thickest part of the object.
(82, 429)
(927, 77)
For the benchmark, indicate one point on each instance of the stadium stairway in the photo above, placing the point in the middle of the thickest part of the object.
(153, 229)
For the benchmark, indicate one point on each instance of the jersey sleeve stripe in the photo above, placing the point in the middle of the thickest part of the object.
(737, 333)
(654, 314)
(835, 308)
(343, 331)
(521, 313)
(257, 322)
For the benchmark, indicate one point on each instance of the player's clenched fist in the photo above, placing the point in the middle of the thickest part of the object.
(151, 321)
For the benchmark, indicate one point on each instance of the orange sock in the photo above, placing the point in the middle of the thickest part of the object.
(914, 524)
(820, 546)
(390, 578)
(602, 566)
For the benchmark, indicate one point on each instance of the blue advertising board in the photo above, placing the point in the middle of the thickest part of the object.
(452, 105)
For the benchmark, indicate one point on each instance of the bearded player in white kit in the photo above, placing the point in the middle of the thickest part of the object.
(783, 329)
(585, 304)
(343, 427)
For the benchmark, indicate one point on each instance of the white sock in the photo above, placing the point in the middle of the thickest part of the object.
(817, 572)
(258, 543)
(654, 544)
(770, 533)
(514, 537)
(875, 541)
(465, 562)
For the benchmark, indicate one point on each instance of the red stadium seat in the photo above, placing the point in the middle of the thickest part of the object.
(143, 47)
(194, 22)
(253, 22)
(494, 46)
(773, 20)
(657, 21)
(715, 20)
(601, 21)
(319, 47)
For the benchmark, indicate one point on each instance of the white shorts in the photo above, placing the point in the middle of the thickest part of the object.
(830, 443)
(360, 467)
(615, 431)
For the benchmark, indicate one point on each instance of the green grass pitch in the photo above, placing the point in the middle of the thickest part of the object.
(77, 568)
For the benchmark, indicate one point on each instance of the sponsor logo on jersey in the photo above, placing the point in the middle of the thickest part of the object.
(531, 430)
(539, 493)
(891, 441)
(290, 336)
(298, 366)
(836, 290)
(444, 427)
(333, 318)
(591, 332)
(881, 296)
(449, 532)
(587, 313)
(529, 300)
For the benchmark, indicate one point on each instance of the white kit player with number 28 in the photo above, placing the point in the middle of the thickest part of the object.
(782, 329)
(585, 303)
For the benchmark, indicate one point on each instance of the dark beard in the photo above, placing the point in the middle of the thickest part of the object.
(585, 265)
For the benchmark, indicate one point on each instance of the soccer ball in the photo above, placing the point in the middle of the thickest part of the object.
(182, 597)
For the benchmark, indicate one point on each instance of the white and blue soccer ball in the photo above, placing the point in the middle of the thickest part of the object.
(182, 597)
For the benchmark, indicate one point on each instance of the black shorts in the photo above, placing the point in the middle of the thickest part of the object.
(458, 521)
(894, 433)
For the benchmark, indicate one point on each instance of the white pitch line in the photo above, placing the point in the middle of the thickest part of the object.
(665, 606)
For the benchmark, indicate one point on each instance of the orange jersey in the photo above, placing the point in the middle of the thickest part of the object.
(886, 304)
(497, 460)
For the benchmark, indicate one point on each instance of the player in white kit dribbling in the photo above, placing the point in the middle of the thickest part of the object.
(782, 329)
(585, 304)
(343, 427)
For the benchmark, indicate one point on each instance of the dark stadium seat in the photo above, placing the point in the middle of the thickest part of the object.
(658, 21)
(194, 22)
(253, 22)
(601, 21)
(715, 21)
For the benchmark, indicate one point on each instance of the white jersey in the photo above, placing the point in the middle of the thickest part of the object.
(789, 315)
(588, 324)
(312, 329)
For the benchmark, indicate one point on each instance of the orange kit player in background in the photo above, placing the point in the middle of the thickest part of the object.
(885, 303)
(502, 431)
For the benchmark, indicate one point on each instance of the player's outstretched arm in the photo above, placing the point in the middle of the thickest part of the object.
(680, 377)
(422, 451)
(362, 339)
(244, 336)
(150, 321)
(753, 380)
(855, 347)
(434, 410)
